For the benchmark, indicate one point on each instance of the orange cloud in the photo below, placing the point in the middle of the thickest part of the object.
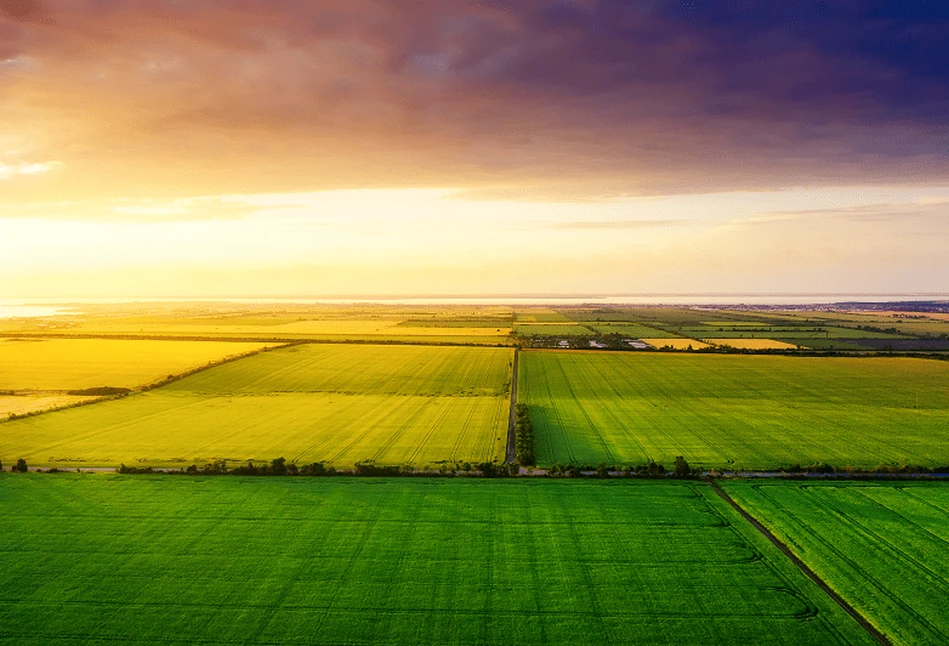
(530, 99)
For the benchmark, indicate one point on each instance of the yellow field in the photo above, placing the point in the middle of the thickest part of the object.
(678, 344)
(22, 404)
(754, 344)
(387, 329)
(332, 402)
(75, 364)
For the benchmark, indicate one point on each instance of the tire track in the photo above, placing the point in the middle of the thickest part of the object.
(803, 567)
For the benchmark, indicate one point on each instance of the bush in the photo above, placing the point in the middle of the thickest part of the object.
(314, 469)
(681, 469)
(20, 466)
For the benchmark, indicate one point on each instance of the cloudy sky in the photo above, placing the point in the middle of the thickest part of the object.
(362, 147)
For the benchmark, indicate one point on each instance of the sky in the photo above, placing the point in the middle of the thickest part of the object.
(215, 148)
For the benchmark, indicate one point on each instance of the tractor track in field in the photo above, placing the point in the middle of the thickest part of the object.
(803, 567)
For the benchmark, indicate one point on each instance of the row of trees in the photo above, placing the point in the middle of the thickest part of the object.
(523, 436)
(280, 467)
(651, 469)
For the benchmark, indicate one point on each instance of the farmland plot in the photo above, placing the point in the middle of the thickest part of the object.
(552, 329)
(31, 403)
(146, 560)
(754, 344)
(883, 547)
(634, 330)
(75, 364)
(743, 412)
(335, 403)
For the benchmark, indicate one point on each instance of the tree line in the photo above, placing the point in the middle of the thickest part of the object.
(523, 436)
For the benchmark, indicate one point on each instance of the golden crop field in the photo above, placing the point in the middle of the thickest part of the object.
(334, 403)
(31, 403)
(487, 325)
(754, 344)
(75, 364)
(676, 343)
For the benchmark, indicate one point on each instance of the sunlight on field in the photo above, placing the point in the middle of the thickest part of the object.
(436, 332)
(22, 404)
(276, 321)
(71, 364)
(336, 403)
(754, 344)
(677, 343)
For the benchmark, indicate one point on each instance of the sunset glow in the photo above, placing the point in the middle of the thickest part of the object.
(161, 149)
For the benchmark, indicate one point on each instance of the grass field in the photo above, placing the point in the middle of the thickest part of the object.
(113, 559)
(728, 411)
(75, 364)
(884, 547)
(334, 403)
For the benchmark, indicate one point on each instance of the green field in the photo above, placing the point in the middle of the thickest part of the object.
(742, 412)
(780, 331)
(335, 403)
(74, 364)
(552, 329)
(884, 547)
(165, 559)
(633, 330)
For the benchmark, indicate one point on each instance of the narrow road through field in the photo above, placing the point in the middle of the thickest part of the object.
(511, 457)
(840, 601)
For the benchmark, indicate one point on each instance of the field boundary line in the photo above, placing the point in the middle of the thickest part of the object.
(252, 339)
(511, 453)
(803, 567)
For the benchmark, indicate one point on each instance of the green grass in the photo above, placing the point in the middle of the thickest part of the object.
(883, 547)
(747, 412)
(143, 560)
(334, 403)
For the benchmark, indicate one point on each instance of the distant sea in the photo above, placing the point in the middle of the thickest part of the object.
(33, 308)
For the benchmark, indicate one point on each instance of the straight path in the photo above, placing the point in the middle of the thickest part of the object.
(511, 456)
(803, 567)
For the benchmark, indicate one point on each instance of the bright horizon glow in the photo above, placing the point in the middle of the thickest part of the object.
(437, 241)
(224, 149)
